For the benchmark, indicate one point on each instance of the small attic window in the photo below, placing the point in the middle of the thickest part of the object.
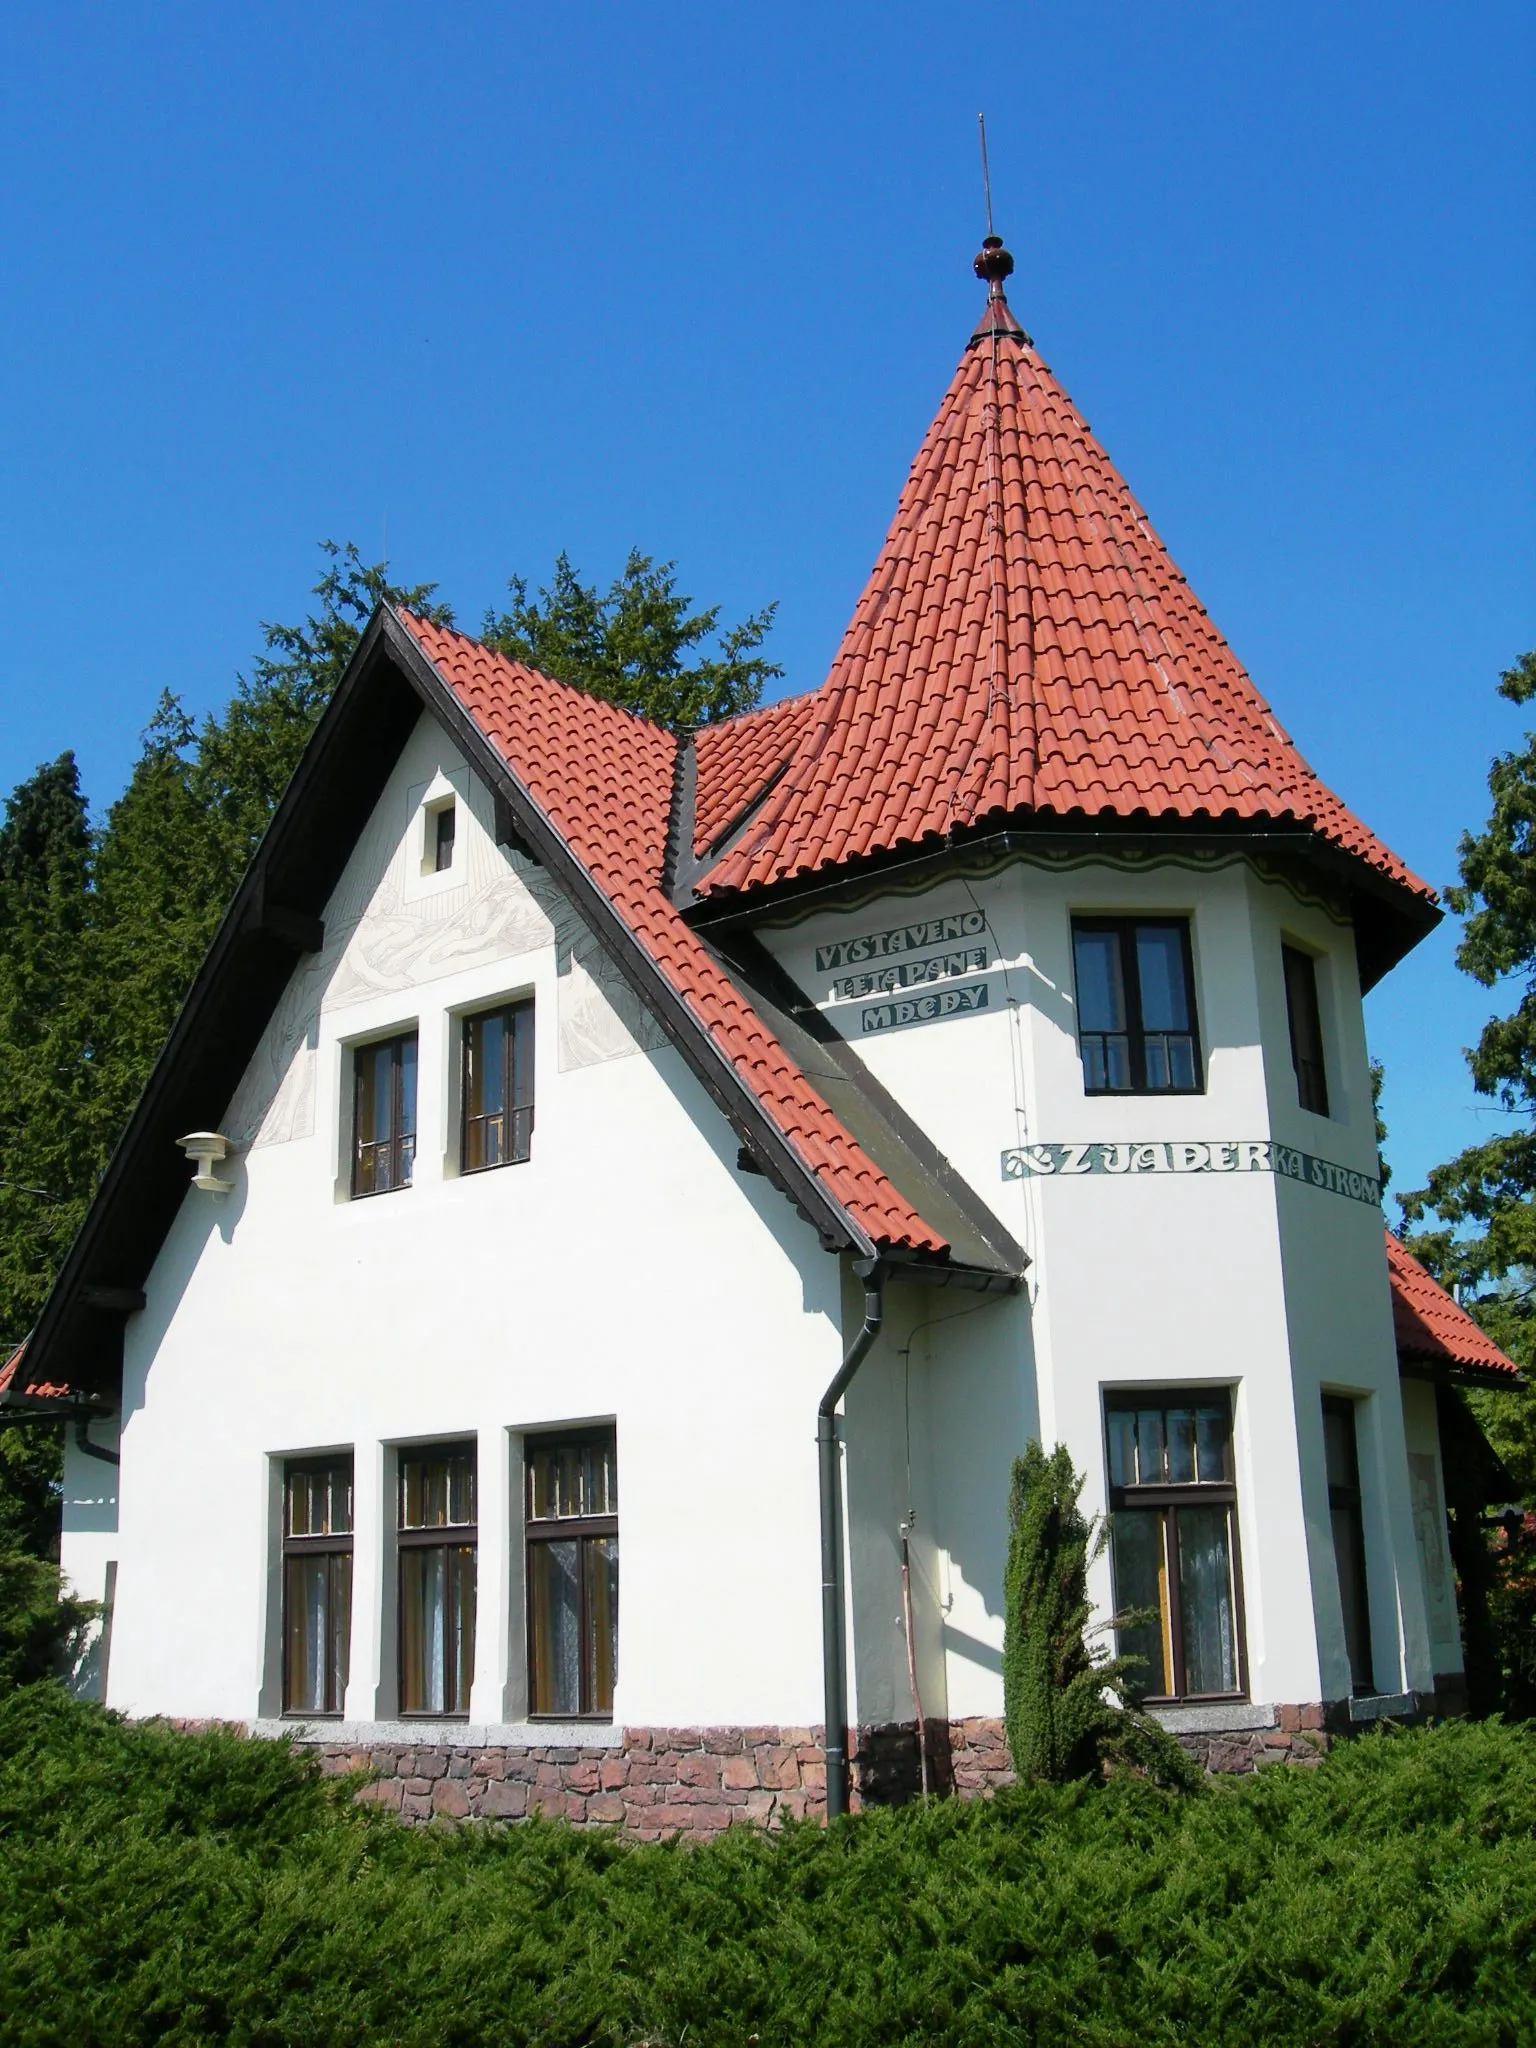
(442, 827)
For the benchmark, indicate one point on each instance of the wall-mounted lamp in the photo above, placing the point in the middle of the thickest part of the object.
(205, 1149)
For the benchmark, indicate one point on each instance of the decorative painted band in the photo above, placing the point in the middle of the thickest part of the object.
(1216, 1155)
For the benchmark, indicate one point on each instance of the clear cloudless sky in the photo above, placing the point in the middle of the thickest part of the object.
(477, 283)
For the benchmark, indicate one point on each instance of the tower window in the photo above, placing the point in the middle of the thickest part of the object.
(1342, 1455)
(1173, 1540)
(1136, 1006)
(1301, 1007)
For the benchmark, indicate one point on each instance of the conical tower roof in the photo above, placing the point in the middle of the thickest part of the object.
(1025, 648)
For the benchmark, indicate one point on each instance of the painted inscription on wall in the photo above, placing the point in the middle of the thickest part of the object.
(954, 1000)
(1229, 1155)
(901, 939)
(930, 955)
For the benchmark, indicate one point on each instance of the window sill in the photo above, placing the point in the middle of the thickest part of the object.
(1211, 1716)
(434, 1731)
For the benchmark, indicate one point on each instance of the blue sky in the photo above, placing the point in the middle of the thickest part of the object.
(495, 281)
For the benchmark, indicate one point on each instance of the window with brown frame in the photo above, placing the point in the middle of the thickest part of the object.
(384, 1115)
(572, 1533)
(498, 1087)
(1173, 1540)
(1342, 1455)
(317, 1584)
(1306, 1022)
(437, 1540)
(1136, 1026)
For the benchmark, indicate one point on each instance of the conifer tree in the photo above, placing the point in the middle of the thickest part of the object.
(638, 644)
(1060, 1724)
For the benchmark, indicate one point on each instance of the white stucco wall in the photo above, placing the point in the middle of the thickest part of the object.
(631, 1272)
(1249, 1281)
(628, 1271)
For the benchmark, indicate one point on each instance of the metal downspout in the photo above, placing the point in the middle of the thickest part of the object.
(834, 1671)
(83, 1443)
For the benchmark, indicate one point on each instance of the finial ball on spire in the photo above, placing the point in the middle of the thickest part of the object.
(994, 263)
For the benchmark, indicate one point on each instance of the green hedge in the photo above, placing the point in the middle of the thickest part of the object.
(188, 1889)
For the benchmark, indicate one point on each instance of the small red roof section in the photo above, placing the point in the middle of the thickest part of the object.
(603, 778)
(1431, 1326)
(737, 760)
(14, 1382)
(1025, 643)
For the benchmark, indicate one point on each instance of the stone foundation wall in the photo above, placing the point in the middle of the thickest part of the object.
(663, 1780)
(699, 1781)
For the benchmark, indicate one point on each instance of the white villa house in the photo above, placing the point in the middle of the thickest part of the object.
(614, 1204)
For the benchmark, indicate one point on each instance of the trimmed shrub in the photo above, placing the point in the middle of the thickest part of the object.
(41, 1633)
(1069, 1708)
(177, 1889)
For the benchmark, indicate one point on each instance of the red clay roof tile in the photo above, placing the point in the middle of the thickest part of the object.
(1024, 643)
(1430, 1324)
(604, 780)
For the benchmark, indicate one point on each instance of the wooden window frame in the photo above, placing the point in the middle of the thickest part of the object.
(332, 1544)
(444, 1536)
(1303, 1004)
(1169, 1499)
(1347, 1497)
(543, 1529)
(1136, 1034)
(517, 1021)
(400, 1140)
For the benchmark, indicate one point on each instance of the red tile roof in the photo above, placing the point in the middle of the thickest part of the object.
(29, 1390)
(1024, 643)
(1430, 1325)
(736, 759)
(604, 780)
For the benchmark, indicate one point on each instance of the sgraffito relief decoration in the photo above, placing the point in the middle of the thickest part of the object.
(383, 939)
(275, 1101)
(600, 1016)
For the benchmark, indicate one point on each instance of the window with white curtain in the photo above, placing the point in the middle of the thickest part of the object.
(317, 1584)
(437, 1542)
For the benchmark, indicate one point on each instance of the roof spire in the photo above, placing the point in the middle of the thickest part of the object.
(994, 263)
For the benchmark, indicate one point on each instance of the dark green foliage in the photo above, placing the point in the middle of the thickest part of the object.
(183, 1889)
(1483, 1239)
(1060, 1725)
(637, 645)
(40, 1634)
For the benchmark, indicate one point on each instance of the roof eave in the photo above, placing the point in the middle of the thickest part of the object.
(1396, 916)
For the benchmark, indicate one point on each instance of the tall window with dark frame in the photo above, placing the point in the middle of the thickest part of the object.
(437, 1539)
(1136, 1006)
(444, 829)
(384, 1115)
(1306, 1021)
(1342, 1455)
(498, 1087)
(572, 1535)
(317, 1584)
(1173, 1541)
